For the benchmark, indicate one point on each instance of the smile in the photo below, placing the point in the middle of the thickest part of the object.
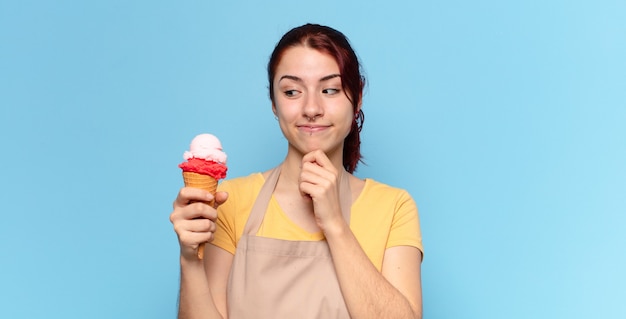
(310, 129)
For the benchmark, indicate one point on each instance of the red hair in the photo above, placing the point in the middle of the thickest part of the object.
(335, 44)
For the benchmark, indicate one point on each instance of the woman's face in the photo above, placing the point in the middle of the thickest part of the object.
(312, 109)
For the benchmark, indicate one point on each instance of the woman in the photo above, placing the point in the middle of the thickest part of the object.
(306, 239)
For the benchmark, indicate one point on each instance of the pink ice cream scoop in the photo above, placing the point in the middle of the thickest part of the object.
(207, 147)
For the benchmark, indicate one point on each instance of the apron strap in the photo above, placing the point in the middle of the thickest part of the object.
(345, 196)
(260, 204)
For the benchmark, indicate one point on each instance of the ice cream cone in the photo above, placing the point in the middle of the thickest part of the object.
(205, 164)
(206, 183)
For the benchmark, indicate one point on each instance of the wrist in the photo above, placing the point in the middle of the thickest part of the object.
(189, 262)
(336, 229)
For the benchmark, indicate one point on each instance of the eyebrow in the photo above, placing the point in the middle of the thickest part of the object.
(297, 79)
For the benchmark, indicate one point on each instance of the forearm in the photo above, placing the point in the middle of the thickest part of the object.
(195, 300)
(366, 291)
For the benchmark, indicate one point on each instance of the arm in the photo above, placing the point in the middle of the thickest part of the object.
(203, 285)
(203, 282)
(394, 293)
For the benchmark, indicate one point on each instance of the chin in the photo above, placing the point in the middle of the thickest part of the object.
(306, 148)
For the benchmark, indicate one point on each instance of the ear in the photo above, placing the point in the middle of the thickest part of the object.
(274, 109)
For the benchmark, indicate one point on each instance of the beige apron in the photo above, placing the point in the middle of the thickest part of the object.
(273, 278)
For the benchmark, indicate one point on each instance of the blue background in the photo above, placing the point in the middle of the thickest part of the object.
(504, 119)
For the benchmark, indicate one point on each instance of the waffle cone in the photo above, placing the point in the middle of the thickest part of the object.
(206, 183)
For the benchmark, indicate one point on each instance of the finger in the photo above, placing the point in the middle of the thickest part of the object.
(193, 239)
(318, 157)
(313, 186)
(221, 197)
(193, 211)
(307, 190)
(198, 210)
(187, 195)
(199, 225)
(313, 168)
(307, 176)
(313, 173)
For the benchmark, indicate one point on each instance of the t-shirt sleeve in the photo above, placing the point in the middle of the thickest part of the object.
(405, 226)
(225, 236)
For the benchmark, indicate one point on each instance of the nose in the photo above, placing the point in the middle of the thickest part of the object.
(313, 107)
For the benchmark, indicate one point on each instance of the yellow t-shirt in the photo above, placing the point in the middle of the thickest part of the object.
(381, 217)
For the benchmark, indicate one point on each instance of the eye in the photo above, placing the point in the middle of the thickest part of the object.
(330, 91)
(291, 93)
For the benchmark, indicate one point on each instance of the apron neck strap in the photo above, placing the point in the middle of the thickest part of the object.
(260, 205)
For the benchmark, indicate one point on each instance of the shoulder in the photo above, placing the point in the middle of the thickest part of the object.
(242, 191)
(374, 190)
(384, 216)
(242, 183)
(384, 200)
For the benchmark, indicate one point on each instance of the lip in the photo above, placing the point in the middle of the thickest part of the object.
(312, 128)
